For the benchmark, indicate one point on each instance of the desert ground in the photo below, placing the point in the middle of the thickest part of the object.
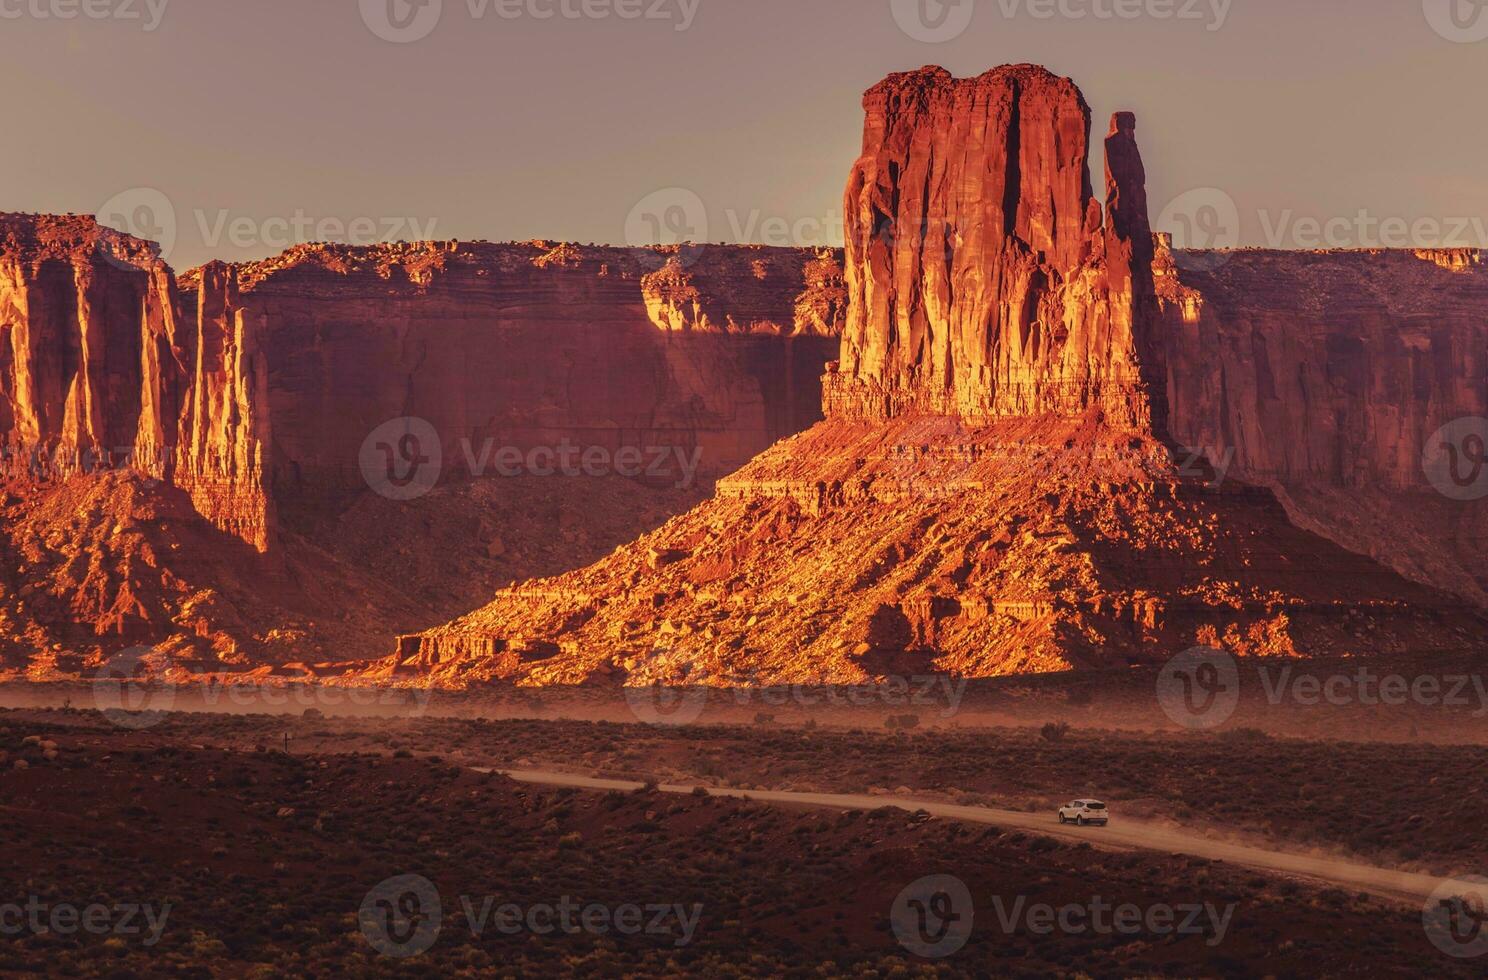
(266, 831)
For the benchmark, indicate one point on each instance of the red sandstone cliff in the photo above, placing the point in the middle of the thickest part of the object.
(1323, 374)
(106, 365)
(152, 425)
(529, 345)
(981, 279)
(993, 490)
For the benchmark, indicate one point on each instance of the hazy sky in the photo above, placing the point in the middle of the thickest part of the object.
(232, 122)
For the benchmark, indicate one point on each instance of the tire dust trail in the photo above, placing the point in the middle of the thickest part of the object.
(1119, 834)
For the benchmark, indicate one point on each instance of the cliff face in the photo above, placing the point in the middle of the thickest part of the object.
(245, 382)
(108, 365)
(981, 278)
(230, 408)
(1324, 375)
(530, 346)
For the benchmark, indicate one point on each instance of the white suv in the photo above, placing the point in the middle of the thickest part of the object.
(1082, 812)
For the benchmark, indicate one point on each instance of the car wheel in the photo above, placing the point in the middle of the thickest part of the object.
(1061, 819)
(1079, 821)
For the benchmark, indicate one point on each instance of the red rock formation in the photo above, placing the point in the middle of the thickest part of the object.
(1323, 375)
(993, 490)
(981, 281)
(247, 392)
(100, 371)
(528, 346)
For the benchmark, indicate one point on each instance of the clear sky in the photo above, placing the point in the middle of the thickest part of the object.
(242, 124)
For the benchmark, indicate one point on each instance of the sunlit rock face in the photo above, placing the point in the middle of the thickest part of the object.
(996, 488)
(109, 365)
(243, 383)
(983, 280)
(184, 455)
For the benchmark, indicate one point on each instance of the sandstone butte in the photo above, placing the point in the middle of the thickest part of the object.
(990, 478)
(1001, 483)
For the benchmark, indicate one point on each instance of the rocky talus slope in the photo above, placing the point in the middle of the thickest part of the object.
(998, 486)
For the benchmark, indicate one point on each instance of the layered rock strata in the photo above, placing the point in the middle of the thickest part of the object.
(240, 397)
(1325, 375)
(107, 364)
(981, 278)
(998, 487)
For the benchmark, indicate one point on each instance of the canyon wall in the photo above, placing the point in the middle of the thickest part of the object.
(1324, 375)
(257, 384)
(184, 455)
(537, 345)
(982, 279)
(105, 363)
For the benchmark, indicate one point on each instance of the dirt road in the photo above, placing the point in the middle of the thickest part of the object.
(1122, 834)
